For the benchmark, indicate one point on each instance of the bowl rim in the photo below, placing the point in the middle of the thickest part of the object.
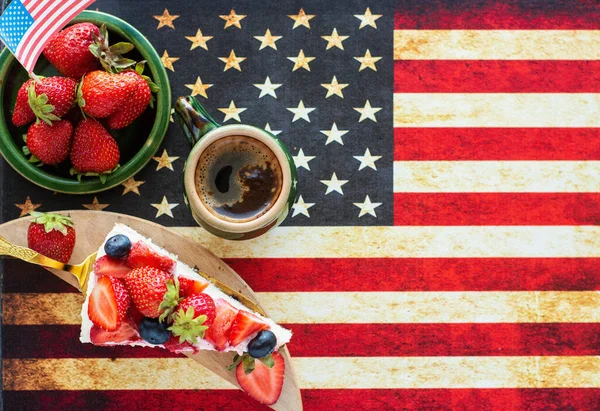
(13, 155)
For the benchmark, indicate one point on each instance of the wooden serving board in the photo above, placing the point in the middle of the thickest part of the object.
(93, 226)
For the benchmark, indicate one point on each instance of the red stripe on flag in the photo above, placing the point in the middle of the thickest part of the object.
(530, 399)
(346, 340)
(420, 274)
(430, 144)
(496, 14)
(37, 9)
(493, 76)
(457, 209)
(373, 274)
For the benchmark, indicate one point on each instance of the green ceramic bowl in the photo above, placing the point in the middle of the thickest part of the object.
(138, 142)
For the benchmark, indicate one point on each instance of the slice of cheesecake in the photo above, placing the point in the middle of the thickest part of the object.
(141, 295)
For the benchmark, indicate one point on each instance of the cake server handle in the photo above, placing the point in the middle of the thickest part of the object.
(81, 271)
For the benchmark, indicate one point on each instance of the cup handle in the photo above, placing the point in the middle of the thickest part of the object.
(194, 119)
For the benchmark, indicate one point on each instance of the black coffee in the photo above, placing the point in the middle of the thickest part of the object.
(238, 178)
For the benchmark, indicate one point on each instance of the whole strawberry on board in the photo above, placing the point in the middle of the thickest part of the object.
(47, 100)
(48, 144)
(94, 151)
(69, 50)
(52, 235)
(137, 103)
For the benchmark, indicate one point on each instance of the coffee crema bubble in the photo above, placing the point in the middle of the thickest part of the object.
(238, 178)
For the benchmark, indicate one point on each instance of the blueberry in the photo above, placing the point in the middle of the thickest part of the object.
(154, 331)
(117, 246)
(262, 345)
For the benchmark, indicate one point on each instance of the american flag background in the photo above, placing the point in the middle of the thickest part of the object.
(445, 250)
(27, 25)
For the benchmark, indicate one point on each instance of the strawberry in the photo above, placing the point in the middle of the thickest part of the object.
(219, 332)
(51, 235)
(194, 315)
(47, 100)
(147, 287)
(22, 113)
(125, 333)
(114, 267)
(141, 255)
(189, 287)
(135, 106)
(69, 51)
(94, 151)
(108, 303)
(135, 316)
(50, 144)
(177, 347)
(101, 94)
(244, 325)
(263, 383)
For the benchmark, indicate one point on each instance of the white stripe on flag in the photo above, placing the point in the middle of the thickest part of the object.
(497, 44)
(313, 373)
(496, 176)
(496, 110)
(408, 241)
(36, 6)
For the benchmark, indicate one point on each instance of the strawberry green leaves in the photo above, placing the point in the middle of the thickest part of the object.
(170, 301)
(52, 221)
(188, 327)
(249, 362)
(40, 106)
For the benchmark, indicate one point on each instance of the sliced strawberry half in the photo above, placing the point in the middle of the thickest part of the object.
(245, 324)
(218, 333)
(264, 384)
(125, 333)
(114, 267)
(108, 303)
(189, 287)
(141, 255)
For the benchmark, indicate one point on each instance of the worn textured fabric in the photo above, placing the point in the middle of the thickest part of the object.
(445, 250)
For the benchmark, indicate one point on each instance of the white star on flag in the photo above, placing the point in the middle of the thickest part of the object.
(300, 207)
(267, 88)
(334, 184)
(367, 160)
(301, 160)
(367, 19)
(367, 207)
(367, 112)
(334, 134)
(301, 112)
(164, 207)
(274, 132)
(232, 112)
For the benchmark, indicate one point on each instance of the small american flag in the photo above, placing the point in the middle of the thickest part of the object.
(27, 25)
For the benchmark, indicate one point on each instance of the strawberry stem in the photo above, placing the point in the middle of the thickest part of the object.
(110, 56)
